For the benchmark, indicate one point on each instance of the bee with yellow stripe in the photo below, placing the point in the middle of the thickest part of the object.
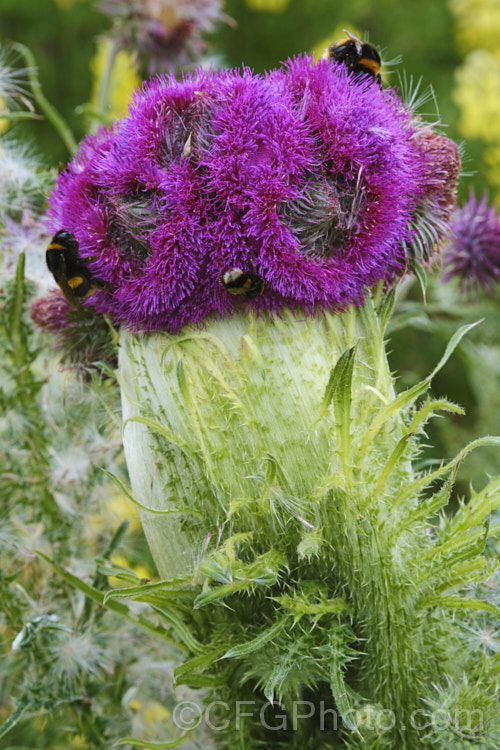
(360, 58)
(70, 272)
(247, 283)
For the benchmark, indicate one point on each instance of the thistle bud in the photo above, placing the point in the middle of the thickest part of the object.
(472, 253)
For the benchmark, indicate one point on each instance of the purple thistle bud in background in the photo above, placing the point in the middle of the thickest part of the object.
(165, 34)
(472, 252)
(51, 313)
(307, 185)
(81, 339)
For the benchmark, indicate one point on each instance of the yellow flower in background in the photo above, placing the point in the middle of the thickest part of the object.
(477, 23)
(120, 508)
(4, 121)
(477, 95)
(79, 741)
(492, 161)
(141, 571)
(113, 508)
(477, 87)
(268, 6)
(124, 78)
(156, 712)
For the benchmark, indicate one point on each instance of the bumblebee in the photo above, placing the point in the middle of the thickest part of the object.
(247, 283)
(359, 57)
(70, 272)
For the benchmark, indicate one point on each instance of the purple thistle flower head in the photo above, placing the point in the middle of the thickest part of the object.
(306, 185)
(165, 34)
(472, 252)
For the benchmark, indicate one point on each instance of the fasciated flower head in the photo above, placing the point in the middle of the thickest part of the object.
(307, 181)
(472, 253)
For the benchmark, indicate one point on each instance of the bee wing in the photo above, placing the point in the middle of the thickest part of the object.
(357, 41)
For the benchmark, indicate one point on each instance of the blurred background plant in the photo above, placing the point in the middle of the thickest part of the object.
(73, 673)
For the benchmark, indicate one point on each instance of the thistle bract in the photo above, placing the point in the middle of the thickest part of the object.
(312, 181)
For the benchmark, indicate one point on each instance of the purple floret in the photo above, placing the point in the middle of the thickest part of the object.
(307, 177)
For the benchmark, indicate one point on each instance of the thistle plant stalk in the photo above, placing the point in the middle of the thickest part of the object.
(279, 447)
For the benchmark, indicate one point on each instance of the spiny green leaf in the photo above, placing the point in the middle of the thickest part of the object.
(299, 605)
(480, 505)
(133, 592)
(221, 592)
(234, 542)
(421, 275)
(459, 602)
(128, 492)
(429, 507)
(264, 569)
(257, 643)
(415, 487)
(181, 629)
(458, 547)
(411, 394)
(98, 597)
(394, 459)
(341, 695)
(119, 571)
(423, 414)
(280, 672)
(160, 429)
(338, 388)
(311, 545)
(198, 663)
(15, 716)
(339, 391)
(158, 745)
(463, 573)
(385, 308)
(217, 572)
(209, 681)
(392, 408)
(452, 345)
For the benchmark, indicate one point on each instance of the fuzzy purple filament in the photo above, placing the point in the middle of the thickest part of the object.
(306, 176)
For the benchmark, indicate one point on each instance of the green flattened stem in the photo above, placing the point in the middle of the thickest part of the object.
(237, 419)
